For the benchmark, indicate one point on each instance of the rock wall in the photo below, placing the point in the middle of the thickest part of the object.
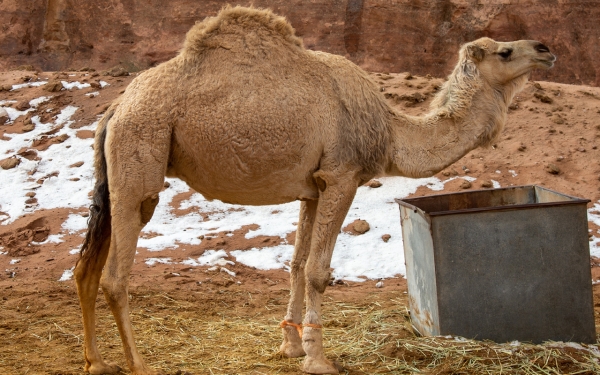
(420, 36)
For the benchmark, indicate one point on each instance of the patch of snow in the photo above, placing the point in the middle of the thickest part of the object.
(230, 273)
(13, 113)
(75, 223)
(76, 84)
(15, 261)
(103, 84)
(28, 84)
(266, 258)
(53, 238)
(512, 173)
(152, 261)
(210, 258)
(74, 251)
(495, 184)
(67, 275)
(93, 94)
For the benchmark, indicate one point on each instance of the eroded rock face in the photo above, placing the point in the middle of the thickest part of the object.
(380, 35)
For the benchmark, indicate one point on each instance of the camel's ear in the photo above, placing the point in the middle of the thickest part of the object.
(475, 52)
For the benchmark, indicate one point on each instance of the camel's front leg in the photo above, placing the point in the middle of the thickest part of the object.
(291, 327)
(337, 193)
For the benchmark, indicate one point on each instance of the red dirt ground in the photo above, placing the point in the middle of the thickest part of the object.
(550, 123)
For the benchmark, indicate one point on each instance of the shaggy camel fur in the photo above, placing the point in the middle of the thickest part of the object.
(246, 115)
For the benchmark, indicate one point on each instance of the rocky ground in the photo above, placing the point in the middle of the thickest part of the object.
(551, 139)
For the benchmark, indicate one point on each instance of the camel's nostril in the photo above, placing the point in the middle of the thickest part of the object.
(541, 48)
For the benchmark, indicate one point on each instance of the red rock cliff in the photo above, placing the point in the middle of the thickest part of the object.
(420, 36)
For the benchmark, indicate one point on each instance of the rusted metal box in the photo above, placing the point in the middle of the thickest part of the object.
(499, 264)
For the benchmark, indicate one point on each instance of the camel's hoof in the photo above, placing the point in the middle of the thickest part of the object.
(102, 368)
(321, 366)
(292, 350)
(291, 346)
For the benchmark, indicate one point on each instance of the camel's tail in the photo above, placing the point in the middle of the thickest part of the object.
(97, 238)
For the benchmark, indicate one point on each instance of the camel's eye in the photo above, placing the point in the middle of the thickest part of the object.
(505, 54)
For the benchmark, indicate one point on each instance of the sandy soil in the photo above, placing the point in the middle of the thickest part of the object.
(550, 139)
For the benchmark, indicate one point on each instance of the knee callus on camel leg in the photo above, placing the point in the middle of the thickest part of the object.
(319, 280)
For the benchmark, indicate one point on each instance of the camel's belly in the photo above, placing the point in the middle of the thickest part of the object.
(248, 174)
(276, 188)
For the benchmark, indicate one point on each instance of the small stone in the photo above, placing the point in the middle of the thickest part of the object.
(116, 71)
(446, 173)
(408, 76)
(465, 185)
(560, 158)
(522, 147)
(537, 86)
(361, 226)
(31, 201)
(23, 105)
(552, 169)
(581, 149)
(543, 98)
(9, 163)
(76, 165)
(467, 170)
(513, 106)
(30, 194)
(557, 120)
(28, 127)
(85, 214)
(53, 86)
(167, 184)
(3, 116)
(374, 184)
(487, 184)
(382, 89)
(386, 237)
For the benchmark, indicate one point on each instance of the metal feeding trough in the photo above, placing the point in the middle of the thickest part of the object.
(500, 264)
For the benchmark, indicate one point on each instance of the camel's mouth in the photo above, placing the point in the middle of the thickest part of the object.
(547, 63)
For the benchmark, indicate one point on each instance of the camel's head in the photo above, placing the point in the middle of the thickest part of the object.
(502, 62)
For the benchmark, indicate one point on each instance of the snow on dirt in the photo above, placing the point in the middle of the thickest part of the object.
(60, 176)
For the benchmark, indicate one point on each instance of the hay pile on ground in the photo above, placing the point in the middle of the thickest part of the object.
(179, 333)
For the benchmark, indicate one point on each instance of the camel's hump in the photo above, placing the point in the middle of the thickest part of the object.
(238, 19)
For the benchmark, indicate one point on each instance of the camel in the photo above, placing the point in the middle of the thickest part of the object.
(245, 114)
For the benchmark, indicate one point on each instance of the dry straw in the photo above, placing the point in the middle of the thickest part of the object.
(178, 336)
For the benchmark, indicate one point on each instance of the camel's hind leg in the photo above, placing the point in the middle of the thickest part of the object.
(129, 215)
(94, 251)
(134, 197)
(292, 342)
(137, 158)
(87, 277)
(335, 198)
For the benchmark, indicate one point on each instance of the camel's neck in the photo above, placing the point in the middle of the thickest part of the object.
(467, 113)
